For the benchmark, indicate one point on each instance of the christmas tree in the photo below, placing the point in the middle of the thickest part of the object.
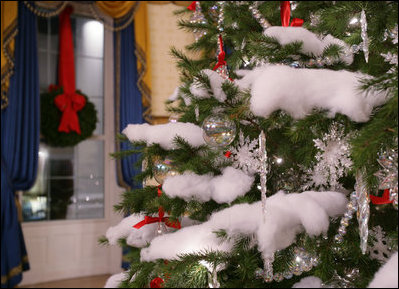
(279, 165)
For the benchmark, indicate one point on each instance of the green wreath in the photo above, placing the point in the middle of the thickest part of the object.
(51, 116)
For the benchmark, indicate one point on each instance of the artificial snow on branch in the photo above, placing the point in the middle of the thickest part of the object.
(223, 189)
(137, 237)
(387, 276)
(287, 215)
(298, 91)
(312, 45)
(216, 81)
(164, 134)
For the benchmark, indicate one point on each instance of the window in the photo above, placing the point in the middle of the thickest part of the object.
(70, 181)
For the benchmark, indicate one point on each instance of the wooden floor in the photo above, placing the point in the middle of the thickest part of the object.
(83, 282)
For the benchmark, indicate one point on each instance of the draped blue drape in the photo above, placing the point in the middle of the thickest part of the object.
(131, 107)
(130, 104)
(19, 146)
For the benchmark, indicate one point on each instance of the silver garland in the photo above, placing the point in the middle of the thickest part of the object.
(363, 208)
(302, 262)
(344, 223)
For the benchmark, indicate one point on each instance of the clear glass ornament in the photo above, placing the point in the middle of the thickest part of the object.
(218, 130)
(163, 168)
(161, 228)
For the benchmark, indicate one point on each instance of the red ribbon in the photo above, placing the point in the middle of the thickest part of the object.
(285, 13)
(150, 220)
(192, 6)
(221, 55)
(227, 154)
(156, 283)
(69, 102)
(381, 200)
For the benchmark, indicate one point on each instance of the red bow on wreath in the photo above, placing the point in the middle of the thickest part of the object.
(69, 102)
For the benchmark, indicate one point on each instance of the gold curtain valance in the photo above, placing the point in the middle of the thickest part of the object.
(9, 15)
(115, 9)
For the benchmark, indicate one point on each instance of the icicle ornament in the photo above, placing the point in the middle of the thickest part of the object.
(365, 38)
(263, 170)
(363, 209)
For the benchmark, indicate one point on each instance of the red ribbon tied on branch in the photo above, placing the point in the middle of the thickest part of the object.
(150, 220)
(221, 56)
(285, 13)
(69, 102)
(381, 200)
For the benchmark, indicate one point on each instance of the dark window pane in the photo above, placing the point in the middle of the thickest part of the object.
(61, 168)
(61, 193)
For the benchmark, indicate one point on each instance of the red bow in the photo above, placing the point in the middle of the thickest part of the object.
(150, 220)
(192, 6)
(70, 102)
(285, 13)
(381, 200)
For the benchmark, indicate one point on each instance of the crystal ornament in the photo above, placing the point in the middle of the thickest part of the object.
(268, 269)
(314, 19)
(161, 228)
(344, 223)
(333, 159)
(246, 155)
(388, 175)
(363, 211)
(263, 171)
(163, 168)
(218, 130)
(391, 58)
(198, 17)
(363, 34)
(380, 249)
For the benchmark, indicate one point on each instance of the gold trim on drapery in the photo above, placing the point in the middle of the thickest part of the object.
(9, 16)
(15, 271)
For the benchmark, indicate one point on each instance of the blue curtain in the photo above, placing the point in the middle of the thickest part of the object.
(130, 105)
(19, 146)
